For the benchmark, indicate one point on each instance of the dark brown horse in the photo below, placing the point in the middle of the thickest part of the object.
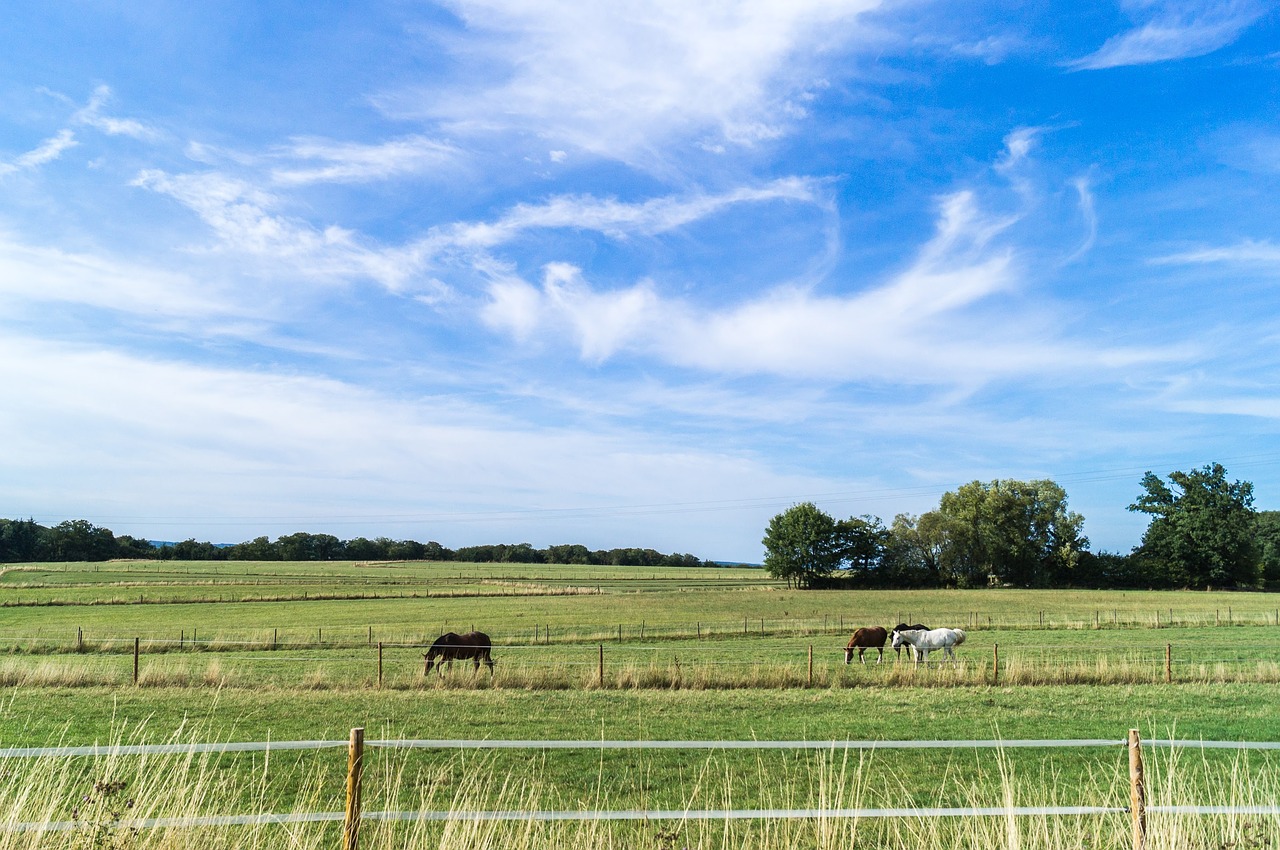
(450, 647)
(864, 639)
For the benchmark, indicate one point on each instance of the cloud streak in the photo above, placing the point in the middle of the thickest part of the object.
(621, 80)
(1175, 29)
(48, 151)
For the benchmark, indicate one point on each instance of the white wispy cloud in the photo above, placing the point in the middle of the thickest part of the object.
(1246, 251)
(616, 219)
(928, 324)
(225, 452)
(42, 275)
(1174, 29)
(620, 79)
(313, 160)
(92, 115)
(244, 219)
(48, 151)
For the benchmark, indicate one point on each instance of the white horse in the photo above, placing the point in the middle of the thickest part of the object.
(924, 642)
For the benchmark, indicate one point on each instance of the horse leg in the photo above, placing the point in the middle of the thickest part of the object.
(861, 650)
(880, 657)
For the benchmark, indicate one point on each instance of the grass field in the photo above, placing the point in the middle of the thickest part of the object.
(688, 654)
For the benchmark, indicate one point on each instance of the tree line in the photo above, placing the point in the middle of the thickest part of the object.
(1204, 533)
(24, 541)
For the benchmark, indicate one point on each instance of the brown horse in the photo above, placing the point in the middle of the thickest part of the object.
(450, 646)
(862, 640)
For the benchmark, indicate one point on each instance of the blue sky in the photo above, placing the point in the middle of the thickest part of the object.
(629, 274)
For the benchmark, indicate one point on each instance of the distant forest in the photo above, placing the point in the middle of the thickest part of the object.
(24, 541)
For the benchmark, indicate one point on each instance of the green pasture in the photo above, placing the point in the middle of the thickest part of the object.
(516, 603)
(669, 778)
(284, 651)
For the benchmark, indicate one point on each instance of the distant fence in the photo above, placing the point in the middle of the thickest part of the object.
(591, 633)
(353, 815)
(780, 664)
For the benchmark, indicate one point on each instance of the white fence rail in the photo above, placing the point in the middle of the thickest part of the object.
(356, 744)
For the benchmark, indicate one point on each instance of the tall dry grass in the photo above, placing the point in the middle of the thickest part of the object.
(99, 802)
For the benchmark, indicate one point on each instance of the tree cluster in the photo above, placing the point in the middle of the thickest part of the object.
(23, 541)
(1204, 533)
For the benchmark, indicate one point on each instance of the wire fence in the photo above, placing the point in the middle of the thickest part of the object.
(1137, 809)
(768, 662)
(562, 633)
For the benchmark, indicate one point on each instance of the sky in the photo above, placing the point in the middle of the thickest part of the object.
(639, 273)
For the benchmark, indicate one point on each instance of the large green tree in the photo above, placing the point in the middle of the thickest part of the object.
(1269, 547)
(801, 545)
(1007, 531)
(1203, 531)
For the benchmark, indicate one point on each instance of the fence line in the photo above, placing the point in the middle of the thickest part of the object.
(99, 750)
(818, 624)
(352, 816)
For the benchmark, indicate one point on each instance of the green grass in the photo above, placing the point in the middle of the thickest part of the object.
(705, 654)
(312, 781)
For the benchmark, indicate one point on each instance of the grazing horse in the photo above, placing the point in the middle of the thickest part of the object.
(902, 627)
(925, 641)
(451, 646)
(864, 639)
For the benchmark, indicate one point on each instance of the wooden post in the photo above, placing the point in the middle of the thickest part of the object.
(79, 639)
(619, 632)
(699, 631)
(182, 638)
(355, 771)
(811, 665)
(371, 634)
(1137, 792)
(379, 663)
(1042, 619)
(1168, 662)
(602, 665)
(135, 661)
(995, 664)
(275, 636)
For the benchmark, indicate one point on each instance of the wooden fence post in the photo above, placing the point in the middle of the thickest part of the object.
(1137, 792)
(79, 639)
(602, 665)
(811, 665)
(1168, 663)
(135, 661)
(379, 663)
(995, 664)
(355, 771)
